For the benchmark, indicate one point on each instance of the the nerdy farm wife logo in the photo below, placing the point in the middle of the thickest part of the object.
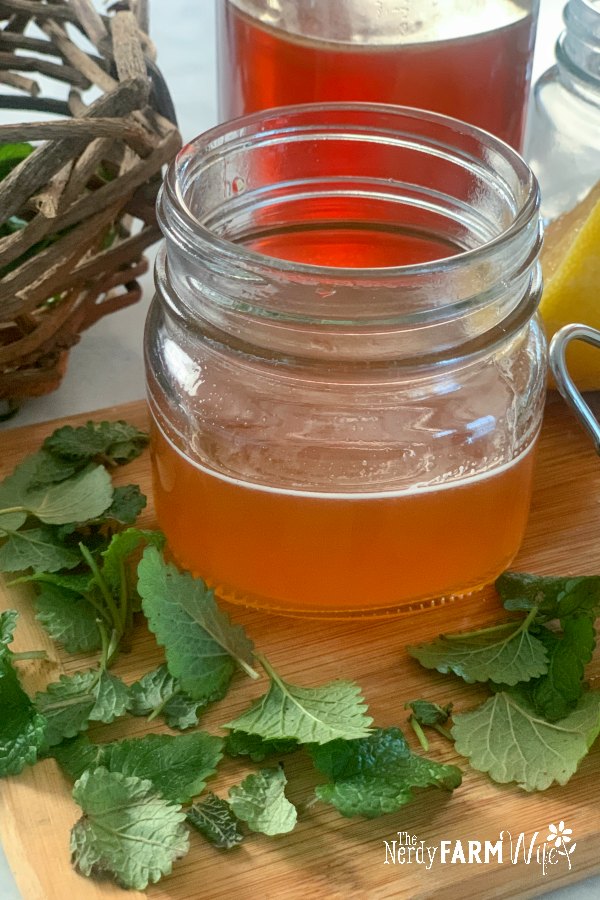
(544, 849)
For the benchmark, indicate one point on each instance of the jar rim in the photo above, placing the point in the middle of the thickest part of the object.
(246, 127)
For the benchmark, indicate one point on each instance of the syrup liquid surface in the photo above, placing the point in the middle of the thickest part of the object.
(318, 553)
(474, 67)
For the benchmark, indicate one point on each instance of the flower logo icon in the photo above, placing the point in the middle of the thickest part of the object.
(559, 836)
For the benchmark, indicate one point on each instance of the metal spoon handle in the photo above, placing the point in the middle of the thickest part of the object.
(564, 382)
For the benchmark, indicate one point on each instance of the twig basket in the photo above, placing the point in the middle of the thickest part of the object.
(76, 213)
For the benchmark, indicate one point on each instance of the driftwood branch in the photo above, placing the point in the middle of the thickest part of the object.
(72, 255)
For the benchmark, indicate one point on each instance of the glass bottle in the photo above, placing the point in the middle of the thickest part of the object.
(470, 59)
(345, 369)
(563, 132)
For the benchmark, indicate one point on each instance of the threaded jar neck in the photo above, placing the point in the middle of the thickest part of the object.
(578, 47)
(306, 171)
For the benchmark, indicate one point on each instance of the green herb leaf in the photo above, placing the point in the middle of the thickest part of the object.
(37, 549)
(8, 623)
(114, 442)
(127, 829)
(377, 774)
(121, 547)
(48, 469)
(158, 692)
(427, 713)
(307, 715)
(75, 584)
(505, 654)
(260, 801)
(177, 765)
(128, 502)
(77, 755)
(66, 705)
(214, 819)
(21, 727)
(239, 743)
(200, 642)
(553, 598)
(84, 496)
(68, 618)
(182, 712)
(74, 700)
(509, 740)
(555, 694)
(112, 699)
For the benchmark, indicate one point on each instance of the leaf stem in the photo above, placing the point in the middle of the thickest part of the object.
(158, 709)
(444, 732)
(8, 510)
(106, 594)
(123, 596)
(462, 635)
(529, 618)
(105, 645)
(269, 670)
(421, 736)
(29, 654)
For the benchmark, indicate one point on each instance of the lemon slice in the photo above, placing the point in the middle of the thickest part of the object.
(571, 267)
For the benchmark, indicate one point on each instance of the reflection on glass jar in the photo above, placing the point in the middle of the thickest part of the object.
(470, 59)
(345, 370)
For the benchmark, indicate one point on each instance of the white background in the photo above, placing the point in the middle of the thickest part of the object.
(105, 368)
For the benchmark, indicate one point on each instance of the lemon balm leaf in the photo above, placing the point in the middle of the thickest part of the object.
(8, 624)
(84, 496)
(240, 743)
(127, 503)
(177, 765)
(21, 726)
(202, 645)
(554, 598)
(377, 774)
(77, 755)
(505, 654)
(260, 802)
(113, 442)
(112, 698)
(214, 819)
(556, 693)
(68, 618)
(69, 704)
(158, 692)
(36, 549)
(308, 715)
(507, 738)
(126, 829)
(66, 705)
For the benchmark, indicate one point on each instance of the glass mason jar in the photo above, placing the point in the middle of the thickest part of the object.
(563, 131)
(345, 370)
(470, 59)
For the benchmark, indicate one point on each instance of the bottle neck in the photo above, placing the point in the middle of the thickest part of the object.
(578, 48)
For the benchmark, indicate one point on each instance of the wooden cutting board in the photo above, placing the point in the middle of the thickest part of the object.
(328, 856)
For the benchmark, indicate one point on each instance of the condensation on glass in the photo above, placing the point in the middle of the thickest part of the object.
(345, 368)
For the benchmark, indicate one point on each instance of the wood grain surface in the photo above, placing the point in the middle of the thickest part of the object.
(328, 856)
